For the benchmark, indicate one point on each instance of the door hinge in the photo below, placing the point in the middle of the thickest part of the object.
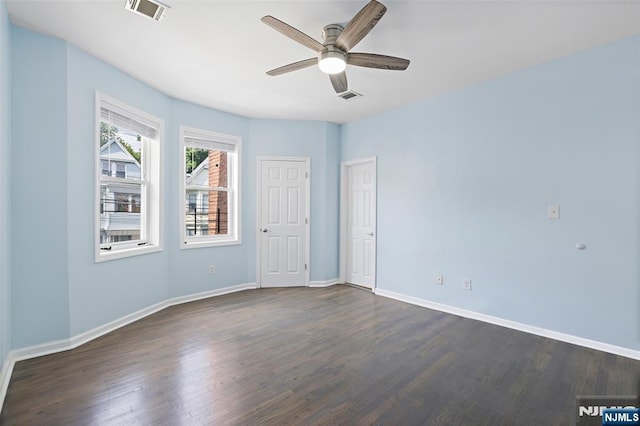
(306, 221)
(306, 175)
(305, 266)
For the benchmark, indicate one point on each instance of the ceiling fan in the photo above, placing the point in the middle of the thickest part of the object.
(334, 54)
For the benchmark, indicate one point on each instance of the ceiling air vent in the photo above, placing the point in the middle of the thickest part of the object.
(151, 9)
(349, 94)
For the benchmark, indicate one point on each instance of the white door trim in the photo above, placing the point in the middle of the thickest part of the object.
(307, 206)
(344, 204)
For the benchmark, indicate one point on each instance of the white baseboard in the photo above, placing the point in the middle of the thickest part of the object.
(82, 338)
(101, 330)
(5, 377)
(210, 293)
(87, 336)
(327, 283)
(75, 341)
(41, 350)
(568, 338)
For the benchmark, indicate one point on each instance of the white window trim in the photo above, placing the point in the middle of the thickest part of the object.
(235, 212)
(152, 219)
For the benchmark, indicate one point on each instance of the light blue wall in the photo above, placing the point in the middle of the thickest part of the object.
(331, 265)
(189, 267)
(59, 291)
(464, 182)
(237, 264)
(39, 276)
(314, 139)
(99, 293)
(5, 152)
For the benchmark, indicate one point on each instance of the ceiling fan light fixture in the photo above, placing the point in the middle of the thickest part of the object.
(332, 62)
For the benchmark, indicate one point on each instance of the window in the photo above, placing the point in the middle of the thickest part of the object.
(205, 203)
(210, 188)
(128, 143)
(193, 201)
(120, 168)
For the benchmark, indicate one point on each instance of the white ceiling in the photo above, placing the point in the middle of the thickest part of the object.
(216, 53)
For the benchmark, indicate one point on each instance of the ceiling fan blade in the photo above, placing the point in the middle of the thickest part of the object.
(293, 33)
(293, 67)
(371, 60)
(339, 81)
(360, 25)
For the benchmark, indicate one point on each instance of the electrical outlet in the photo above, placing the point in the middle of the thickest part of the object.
(212, 269)
(440, 280)
(466, 283)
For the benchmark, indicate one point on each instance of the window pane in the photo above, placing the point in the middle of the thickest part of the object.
(206, 168)
(120, 152)
(206, 213)
(119, 213)
(205, 202)
(120, 170)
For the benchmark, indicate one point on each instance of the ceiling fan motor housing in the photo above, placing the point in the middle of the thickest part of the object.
(331, 32)
(332, 53)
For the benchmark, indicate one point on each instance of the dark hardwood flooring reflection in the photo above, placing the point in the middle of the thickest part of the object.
(334, 356)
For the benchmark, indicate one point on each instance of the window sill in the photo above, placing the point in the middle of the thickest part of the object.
(104, 256)
(210, 243)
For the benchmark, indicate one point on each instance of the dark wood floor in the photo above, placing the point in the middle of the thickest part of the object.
(337, 355)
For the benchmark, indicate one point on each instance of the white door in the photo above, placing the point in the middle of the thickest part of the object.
(283, 230)
(361, 224)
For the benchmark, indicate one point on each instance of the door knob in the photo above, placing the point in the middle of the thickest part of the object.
(370, 234)
(264, 229)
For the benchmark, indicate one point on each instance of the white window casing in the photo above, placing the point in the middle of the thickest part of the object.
(117, 186)
(192, 236)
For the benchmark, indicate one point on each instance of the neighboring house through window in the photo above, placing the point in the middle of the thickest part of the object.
(210, 188)
(128, 180)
